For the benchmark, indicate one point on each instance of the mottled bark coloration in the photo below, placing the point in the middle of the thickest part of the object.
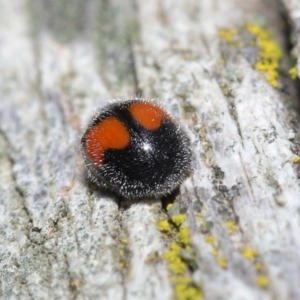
(225, 69)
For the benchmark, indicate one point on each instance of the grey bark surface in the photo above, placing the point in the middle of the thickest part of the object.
(62, 238)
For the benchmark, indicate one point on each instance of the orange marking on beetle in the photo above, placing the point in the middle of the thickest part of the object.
(148, 115)
(110, 133)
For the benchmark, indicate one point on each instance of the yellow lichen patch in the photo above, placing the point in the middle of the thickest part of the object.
(184, 236)
(230, 226)
(123, 253)
(269, 54)
(210, 239)
(180, 258)
(178, 219)
(152, 257)
(186, 292)
(199, 217)
(249, 253)
(296, 159)
(185, 289)
(163, 226)
(220, 259)
(74, 284)
(262, 281)
(222, 262)
(228, 34)
(175, 247)
(225, 89)
(215, 252)
(176, 264)
(169, 206)
(293, 72)
(258, 266)
(256, 30)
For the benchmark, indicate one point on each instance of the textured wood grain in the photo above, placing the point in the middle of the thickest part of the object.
(62, 238)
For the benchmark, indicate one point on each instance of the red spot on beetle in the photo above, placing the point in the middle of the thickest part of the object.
(109, 133)
(148, 115)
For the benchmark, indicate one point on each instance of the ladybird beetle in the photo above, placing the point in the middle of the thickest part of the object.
(136, 149)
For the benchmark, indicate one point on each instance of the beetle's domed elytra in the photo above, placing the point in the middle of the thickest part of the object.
(136, 149)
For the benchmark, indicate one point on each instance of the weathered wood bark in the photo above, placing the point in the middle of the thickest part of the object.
(233, 231)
